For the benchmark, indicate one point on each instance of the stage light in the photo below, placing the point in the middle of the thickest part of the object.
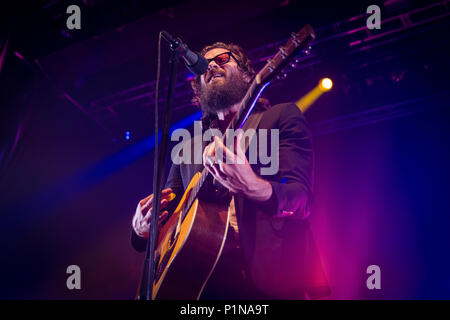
(127, 135)
(326, 84)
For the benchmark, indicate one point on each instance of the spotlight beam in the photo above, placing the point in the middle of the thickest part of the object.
(325, 84)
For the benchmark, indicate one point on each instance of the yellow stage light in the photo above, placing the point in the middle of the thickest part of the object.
(326, 84)
(308, 99)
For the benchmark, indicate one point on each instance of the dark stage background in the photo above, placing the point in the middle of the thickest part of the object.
(70, 180)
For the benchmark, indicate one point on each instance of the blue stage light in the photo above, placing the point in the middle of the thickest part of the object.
(89, 176)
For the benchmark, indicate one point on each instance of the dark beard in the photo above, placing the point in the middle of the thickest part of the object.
(222, 96)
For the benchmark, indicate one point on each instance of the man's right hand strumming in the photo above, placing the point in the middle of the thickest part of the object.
(141, 219)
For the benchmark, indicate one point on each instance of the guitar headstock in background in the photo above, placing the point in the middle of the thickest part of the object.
(299, 41)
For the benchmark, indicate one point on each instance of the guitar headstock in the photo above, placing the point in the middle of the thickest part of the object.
(299, 41)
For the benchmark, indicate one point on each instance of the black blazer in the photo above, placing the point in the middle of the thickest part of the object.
(279, 249)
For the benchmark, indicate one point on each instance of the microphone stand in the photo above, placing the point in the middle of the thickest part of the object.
(149, 269)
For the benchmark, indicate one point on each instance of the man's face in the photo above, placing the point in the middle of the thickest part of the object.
(223, 85)
(216, 73)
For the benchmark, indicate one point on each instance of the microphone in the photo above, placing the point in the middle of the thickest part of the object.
(195, 62)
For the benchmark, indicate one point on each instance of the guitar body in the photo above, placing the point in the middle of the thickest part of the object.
(188, 250)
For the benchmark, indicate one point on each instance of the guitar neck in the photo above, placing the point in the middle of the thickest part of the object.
(247, 105)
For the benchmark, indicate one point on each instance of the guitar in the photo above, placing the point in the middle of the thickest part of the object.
(191, 241)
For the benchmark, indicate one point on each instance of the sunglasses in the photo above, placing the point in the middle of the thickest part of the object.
(223, 58)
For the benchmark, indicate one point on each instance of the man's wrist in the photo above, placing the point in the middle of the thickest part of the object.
(259, 191)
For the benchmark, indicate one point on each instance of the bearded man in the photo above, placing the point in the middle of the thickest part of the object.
(269, 251)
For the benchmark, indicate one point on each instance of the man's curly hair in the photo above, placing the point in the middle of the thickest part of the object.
(244, 65)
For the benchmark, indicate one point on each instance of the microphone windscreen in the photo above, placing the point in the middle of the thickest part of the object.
(200, 66)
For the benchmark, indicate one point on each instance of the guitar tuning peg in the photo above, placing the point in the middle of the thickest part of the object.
(282, 76)
(308, 51)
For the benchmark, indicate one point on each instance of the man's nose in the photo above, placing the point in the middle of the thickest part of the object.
(212, 65)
